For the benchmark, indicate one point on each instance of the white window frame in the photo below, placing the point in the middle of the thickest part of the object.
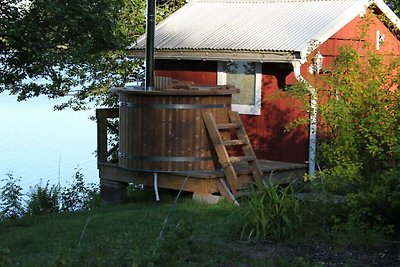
(245, 109)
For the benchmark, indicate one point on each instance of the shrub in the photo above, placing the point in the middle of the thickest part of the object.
(270, 212)
(79, 196)
(379, 201)
(11, 198)
(361, 149)
(359, 133)
(43, 200)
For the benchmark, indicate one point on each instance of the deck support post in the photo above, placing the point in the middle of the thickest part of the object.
(112, 192)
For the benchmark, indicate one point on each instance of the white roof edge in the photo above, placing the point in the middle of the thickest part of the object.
(345, 18)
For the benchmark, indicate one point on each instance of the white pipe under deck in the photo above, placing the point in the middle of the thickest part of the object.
(155, 175)
(312, 146)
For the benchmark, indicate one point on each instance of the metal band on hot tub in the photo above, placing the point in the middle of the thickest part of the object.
(171, 106)
(160, 158)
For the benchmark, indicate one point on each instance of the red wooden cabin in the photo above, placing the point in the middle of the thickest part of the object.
(258, 46)
(255, 45)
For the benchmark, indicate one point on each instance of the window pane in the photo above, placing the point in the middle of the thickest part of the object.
(242, 75)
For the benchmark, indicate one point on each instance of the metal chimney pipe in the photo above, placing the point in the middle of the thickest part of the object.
(150, 30)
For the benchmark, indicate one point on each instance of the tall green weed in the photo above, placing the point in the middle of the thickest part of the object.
(270, 212)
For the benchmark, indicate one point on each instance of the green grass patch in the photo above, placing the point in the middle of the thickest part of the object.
(196, 235)
(119, 235)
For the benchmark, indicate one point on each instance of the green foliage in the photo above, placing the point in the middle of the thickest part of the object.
(354, 232)
(360, 147)
(394, 5)
(378, 202)
(79, 196)
(11, 206)
(43, 199)
(359, 133)
(361, 112)
(5, 260)
(270, 212)
(59, 48)
(47, 199)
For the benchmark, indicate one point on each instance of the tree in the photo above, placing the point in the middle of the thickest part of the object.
(394, 5)
(57, 48)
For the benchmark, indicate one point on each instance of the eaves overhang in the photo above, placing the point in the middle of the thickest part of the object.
(219, 55)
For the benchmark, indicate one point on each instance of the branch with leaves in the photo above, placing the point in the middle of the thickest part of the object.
(76, 47)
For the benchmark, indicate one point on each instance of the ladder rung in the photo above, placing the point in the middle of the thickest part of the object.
(241, 159)
(235, 142)
(226, 126)
(244, 171)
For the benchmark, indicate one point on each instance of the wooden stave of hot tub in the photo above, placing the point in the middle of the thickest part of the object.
(163, 131)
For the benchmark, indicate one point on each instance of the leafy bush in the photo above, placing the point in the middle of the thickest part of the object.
(11, 198)
(378, 202)
(270, 212)
(359, 133)
(362, 113)
(79, 196)
(361, 146)
(43, 200)
(353, 232)
(47, 199)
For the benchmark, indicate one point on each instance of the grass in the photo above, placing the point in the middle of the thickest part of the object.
(121, 234)
(196, 235)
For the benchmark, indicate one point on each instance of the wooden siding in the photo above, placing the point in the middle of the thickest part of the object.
(267, 131)
(200, 72)
(351, 35)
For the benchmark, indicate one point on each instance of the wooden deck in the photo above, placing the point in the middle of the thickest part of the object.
(201, 182)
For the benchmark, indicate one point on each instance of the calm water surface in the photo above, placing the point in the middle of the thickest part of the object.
(37, 142)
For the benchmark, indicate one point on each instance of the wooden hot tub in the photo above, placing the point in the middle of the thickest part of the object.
(163, 131)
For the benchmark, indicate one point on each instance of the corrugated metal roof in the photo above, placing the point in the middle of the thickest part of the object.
(253, 25)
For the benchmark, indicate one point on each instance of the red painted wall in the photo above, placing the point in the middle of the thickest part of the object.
(267, 131)
(351, 35)
(200, 72)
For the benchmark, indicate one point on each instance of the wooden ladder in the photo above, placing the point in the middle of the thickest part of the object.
(229, 163)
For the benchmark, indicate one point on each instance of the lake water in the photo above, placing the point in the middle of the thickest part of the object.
(37, 142)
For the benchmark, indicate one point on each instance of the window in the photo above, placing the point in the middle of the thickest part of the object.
(247, 77)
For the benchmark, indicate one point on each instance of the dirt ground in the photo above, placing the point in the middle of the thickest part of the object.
(319, 254)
